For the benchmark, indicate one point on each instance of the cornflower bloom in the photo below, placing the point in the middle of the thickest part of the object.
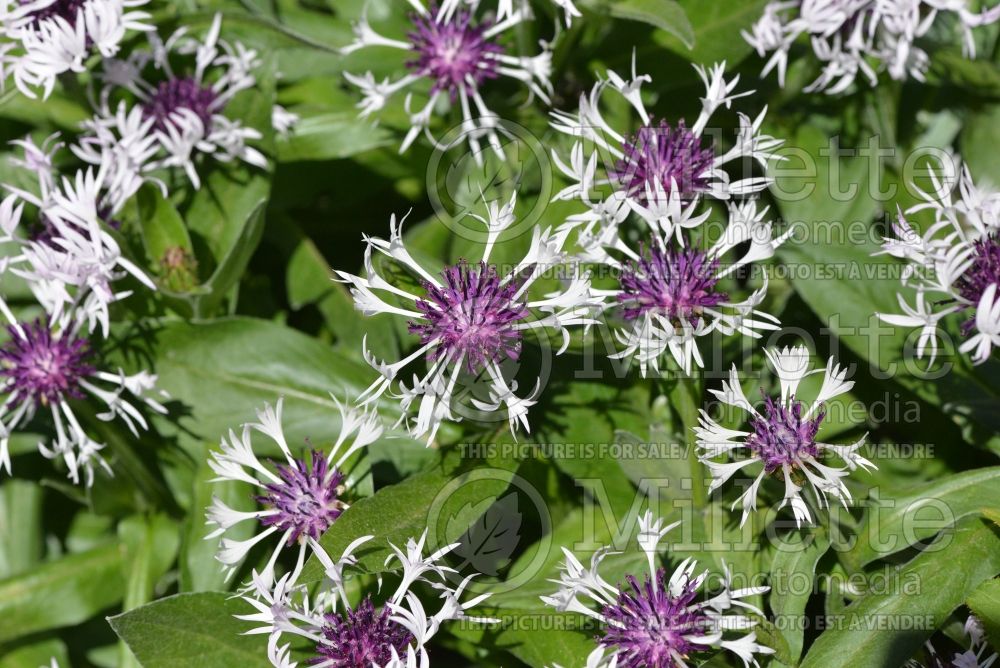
(298, 499)
(470, 320)
(342, 630)
(455, 54)
(782, 439)
(658, 622)
(45, 369)
(170, 116)
(41, 39)
(952, 266)
(860, 37)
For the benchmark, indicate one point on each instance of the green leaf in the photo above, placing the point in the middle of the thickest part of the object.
(716, 30)
(792, 581)
(61, 593)
(895, 522)
(309, 279)
(952, 67)
(431, 499)
(985, 604)
(980, 133)
(538, 637)
(332, 136)
(36, 655)
(570, 418)
(663, 14)
(191, 630)
(768, 635)
(199, 569)
(225, 369)
(162, 226)
(206, 300)
(20, 526)
(150, 545)
(945, 578)
(58, 109)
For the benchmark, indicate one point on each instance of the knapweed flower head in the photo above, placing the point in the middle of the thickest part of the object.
(471, 319)
(63, 249)
(664, 169)
(452, 53)
(783, 438)
(298, 498)
(345, 631)
(658, 621)
(44, 371)
(42, 39)
(953, 265)
(152, 112)
(671, 293)
(866, 37)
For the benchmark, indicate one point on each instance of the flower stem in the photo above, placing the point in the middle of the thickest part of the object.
(686, 398)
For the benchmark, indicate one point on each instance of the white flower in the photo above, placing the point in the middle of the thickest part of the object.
(43, 368)
(73, 261)
(846, 35)
(151, 116)
(283, 121)
(471, 321)
(628, 611)
(783, 438)
(41, 39)
(953, 266)
(663, 162)
(664, 174)
(669, 293)
(456, 54)
(342, 630)
(300, 498)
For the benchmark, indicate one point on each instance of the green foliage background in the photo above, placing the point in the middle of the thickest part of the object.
(257, 316)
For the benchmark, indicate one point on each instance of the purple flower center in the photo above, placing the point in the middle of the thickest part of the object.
(66, 9)
(455, 54)
(677, 285)
(361, 638)
(306, 498)
(672, 158)
(649, 627)
(982, 273)
(43, 367)
(44, 230)
(183, 93)
(781, 436)
(473, 316)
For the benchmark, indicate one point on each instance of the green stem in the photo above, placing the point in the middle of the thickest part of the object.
(686, 397)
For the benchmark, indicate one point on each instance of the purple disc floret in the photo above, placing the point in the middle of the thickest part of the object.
(173, 95)
(43, 366)
(361, 638)
(670, 157)
(781, 436)
(456, 54)
(675, 284)
(650, 627)
(982, 273)
(65, 9)
(306, 500)
(473, 315)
